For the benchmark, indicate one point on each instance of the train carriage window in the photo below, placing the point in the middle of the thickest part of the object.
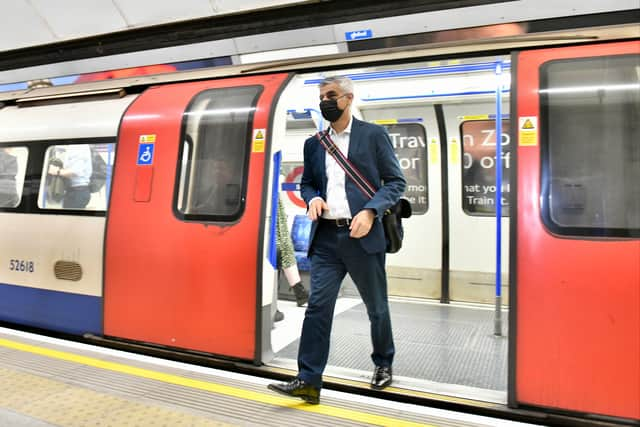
(590, 146)
(479, 167)
(13, 165)
(217, 129)
(76, 176)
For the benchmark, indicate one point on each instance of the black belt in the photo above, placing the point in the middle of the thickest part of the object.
(338, 222)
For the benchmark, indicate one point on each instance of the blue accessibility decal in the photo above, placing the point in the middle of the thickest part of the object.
(358, 35)
(145, 154)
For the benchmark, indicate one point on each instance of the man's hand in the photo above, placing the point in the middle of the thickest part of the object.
(316, 207)
(361, 223)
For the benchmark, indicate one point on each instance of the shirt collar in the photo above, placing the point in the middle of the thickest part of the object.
(346, 130)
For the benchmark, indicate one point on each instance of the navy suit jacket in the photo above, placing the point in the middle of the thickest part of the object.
(371, 152)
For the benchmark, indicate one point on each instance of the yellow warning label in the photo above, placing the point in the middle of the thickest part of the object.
(386, 122)
(528, 125)
(476, 117)
(147, 139)
(528, 130)
(258, 146)
(259, 140)
(454, 151)
(434, 151)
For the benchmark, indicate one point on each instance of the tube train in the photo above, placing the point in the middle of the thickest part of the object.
(176, 249)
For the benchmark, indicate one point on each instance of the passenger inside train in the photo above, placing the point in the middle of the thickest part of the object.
(287, 263)
(75, 168)
(8, 171)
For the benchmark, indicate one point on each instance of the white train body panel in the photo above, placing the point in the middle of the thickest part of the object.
(44, 242)
(62, 121)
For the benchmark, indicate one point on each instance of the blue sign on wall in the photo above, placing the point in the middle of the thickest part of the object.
(358, 35)
(145, 154)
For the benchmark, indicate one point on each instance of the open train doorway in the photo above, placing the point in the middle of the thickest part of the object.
(441, 117)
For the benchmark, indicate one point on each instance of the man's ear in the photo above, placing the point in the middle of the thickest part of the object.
(350, 98)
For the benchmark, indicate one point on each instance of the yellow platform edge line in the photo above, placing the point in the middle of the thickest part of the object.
(271, 399)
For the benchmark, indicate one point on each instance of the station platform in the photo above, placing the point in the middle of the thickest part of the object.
(52, 382)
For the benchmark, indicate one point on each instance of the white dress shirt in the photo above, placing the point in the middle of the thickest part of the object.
(336, 193)
(78, 161)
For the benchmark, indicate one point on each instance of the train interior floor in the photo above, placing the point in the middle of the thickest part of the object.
(448, 349)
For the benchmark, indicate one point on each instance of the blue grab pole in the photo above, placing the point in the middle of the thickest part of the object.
(498, 309)
(273, 250)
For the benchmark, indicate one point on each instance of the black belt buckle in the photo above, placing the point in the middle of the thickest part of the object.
(342, 222)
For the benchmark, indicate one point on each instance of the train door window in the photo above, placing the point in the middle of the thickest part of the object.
(13, 165)
(217, 129)
(76, 176)
(590, 145)
(479, 167)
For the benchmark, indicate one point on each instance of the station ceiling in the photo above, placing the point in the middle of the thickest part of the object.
(27, 23)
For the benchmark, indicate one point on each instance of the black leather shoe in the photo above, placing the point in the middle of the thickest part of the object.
(298, 388)
(382, 377)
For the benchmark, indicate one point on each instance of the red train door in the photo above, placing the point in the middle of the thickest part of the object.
(577, 335)
(183, 252)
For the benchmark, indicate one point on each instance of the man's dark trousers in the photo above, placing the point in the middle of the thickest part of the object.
(334, 255)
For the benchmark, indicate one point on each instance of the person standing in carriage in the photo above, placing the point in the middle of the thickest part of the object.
(346, 237)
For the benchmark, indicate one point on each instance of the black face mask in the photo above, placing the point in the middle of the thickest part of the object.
(329, 109)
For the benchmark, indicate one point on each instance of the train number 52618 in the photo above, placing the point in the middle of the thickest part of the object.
(21, 265)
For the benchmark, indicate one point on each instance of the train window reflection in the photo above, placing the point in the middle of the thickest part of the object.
(217, 130)
(13, 165)
(76, 177)
(590, 144)
(479, 167)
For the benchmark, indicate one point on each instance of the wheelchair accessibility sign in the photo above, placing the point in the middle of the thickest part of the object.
(145, 150)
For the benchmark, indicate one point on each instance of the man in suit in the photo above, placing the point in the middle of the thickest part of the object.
(346, 237)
